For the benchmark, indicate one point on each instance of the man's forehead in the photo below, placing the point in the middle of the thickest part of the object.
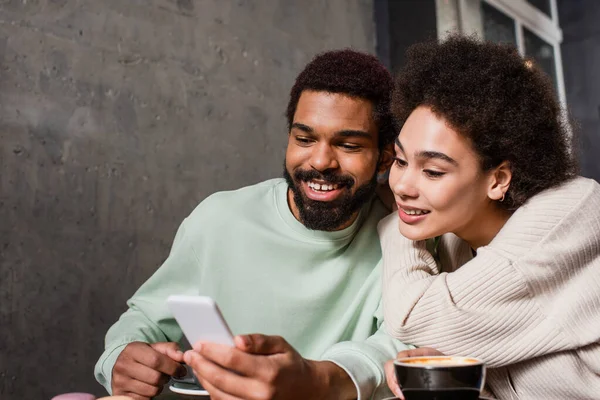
(338, 97)
(335, 110)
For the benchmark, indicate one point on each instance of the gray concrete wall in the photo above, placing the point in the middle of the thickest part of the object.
(116, 118)
(581, 64)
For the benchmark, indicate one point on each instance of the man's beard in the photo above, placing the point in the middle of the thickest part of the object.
(328, 215)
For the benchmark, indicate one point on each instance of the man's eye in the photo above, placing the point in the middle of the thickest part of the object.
(303, 140)
(350, 146)
(433, 174)
(400, 162)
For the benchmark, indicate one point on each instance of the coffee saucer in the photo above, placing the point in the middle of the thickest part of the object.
(189, 389)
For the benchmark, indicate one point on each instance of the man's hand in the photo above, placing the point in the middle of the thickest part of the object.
(389, 367)
(142, 369)
(265, 367)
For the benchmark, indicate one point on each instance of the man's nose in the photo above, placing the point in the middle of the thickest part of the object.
(324, 158)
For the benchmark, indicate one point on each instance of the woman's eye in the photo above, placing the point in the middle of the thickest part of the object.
(400, 162)
(433, 174)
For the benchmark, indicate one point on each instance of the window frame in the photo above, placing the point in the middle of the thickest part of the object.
(547, 28)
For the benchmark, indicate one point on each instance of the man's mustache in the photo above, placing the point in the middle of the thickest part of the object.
(309, 175)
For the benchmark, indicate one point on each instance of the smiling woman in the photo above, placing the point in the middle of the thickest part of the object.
(440, 186)
(483, 164)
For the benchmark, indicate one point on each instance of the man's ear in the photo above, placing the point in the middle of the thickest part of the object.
(386, 157)
(500, 179)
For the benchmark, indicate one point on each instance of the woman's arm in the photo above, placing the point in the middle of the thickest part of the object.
(484, 309)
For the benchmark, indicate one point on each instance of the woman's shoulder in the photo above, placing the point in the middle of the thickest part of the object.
(569, 194)
(571, 209)
(555, 205)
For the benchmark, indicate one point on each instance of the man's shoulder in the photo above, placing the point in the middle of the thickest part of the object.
(237, 202)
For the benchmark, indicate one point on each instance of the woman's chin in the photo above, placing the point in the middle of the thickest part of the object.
(413, 234)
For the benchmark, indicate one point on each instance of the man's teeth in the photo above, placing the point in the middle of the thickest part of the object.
(321, 187)
(415, 212)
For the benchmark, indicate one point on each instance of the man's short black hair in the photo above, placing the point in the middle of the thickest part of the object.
(355, 74)
(504, 104)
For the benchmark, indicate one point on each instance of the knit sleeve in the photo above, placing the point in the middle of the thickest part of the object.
(484, 309)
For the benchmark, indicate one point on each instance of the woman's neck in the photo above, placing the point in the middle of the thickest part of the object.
(484, 227)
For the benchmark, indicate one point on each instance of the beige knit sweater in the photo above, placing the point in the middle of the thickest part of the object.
(528, 304)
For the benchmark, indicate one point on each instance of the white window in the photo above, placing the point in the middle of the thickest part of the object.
(532, 26)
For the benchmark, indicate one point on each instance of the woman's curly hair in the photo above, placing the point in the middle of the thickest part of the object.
(504, 104)
(355, 74)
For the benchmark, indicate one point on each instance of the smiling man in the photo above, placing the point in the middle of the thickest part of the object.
(295, 259)
(326, 190)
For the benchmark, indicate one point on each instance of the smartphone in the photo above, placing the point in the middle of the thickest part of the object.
(200, 319)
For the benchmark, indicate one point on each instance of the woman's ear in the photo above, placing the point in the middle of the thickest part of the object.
(386, 157)
(500, 179)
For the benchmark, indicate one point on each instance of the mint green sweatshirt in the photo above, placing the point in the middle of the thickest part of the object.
(269, 274)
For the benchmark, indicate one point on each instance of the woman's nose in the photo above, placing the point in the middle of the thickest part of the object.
(403, 183)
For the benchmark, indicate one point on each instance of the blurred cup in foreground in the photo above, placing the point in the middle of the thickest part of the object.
(440, 377)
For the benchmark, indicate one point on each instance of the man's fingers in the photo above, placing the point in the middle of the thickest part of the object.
(169, 349)
(390, 377)
(228, 357)
(222, 383)
(139, 372)
(148, 375)
(421, 351)
(262, 344)
(135, 389)
(138, 380)
(142, 389)
(160, 362)
(128, 372)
